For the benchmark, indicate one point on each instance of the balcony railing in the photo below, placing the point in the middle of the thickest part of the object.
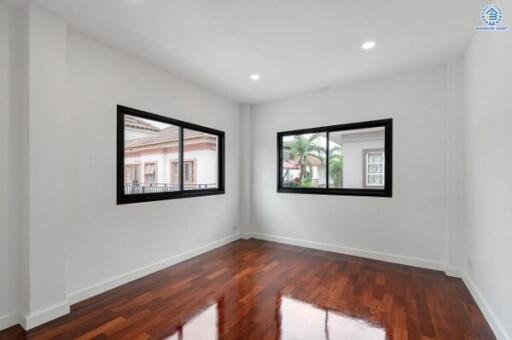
(295, 184)
(149, 188)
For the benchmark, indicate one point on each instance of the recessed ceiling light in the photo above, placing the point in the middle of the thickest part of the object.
(255, 77)
(368, 45)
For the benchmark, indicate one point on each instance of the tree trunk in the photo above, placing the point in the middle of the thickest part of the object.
(303, 171)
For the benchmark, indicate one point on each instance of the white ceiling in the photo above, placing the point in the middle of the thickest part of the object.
(296, 45)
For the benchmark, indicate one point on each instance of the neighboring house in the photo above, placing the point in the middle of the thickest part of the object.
(152, 158)
(363, 157)
(315, 171)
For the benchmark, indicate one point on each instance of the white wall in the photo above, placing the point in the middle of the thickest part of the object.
(61, 233)
(412, 223)
(10, 107)
(455, 165)
(106, 240)
(488, 122)
(246, 168)
(11, 98)
(48, 157)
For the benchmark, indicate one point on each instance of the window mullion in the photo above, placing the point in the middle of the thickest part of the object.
(327, 162)
(181, 155)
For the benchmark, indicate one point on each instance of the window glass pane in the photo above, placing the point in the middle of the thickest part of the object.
(150, 175)
(201, 163)
(375, 180)
(150, 148)
(375, 168)
(304, 160)
(375, 157)
(356, 158)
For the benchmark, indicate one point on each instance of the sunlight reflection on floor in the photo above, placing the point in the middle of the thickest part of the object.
(300, 320)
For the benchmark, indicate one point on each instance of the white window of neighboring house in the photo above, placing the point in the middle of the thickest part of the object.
(132, 173)
(175, 172)
(189, 172)
(150, 173)
(374, 168)
(188, 169)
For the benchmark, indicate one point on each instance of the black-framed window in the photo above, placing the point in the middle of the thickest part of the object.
(348, 159)
(163, 158)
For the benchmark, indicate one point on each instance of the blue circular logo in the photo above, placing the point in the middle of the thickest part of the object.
(491, 15)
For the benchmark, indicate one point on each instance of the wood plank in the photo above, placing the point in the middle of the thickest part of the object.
(247, 281)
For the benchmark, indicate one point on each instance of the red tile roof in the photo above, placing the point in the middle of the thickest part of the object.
(166, 135)
(290, 165)
(137, 123)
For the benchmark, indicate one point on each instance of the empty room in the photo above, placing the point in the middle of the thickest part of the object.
(256, 169)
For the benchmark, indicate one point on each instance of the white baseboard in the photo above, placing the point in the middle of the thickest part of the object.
(9, 320)
(410, 261)
(119, 280)
(496, 326)
(453, 272)
(38, 318)
(245, 236)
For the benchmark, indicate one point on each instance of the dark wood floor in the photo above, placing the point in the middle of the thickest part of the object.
(261, 290)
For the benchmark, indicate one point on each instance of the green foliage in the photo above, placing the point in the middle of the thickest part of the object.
(303, 147)
(336, 167)
(307, 183)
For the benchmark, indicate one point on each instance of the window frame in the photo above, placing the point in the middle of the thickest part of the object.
(387, 191)
(123, 198)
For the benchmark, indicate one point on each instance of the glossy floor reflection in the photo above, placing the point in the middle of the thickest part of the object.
(261, 290)
(204, 325)
(295, 320)
(300, 320)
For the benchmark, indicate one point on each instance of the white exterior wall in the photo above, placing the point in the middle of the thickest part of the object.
(353, 170)
(206, 165)
(319, 174)
(161, 166)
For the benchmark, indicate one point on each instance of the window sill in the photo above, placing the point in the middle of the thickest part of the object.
(338, 192)
(140, 198)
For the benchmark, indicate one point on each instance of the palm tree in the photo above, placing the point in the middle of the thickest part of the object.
(336, 167)
(302, 148)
